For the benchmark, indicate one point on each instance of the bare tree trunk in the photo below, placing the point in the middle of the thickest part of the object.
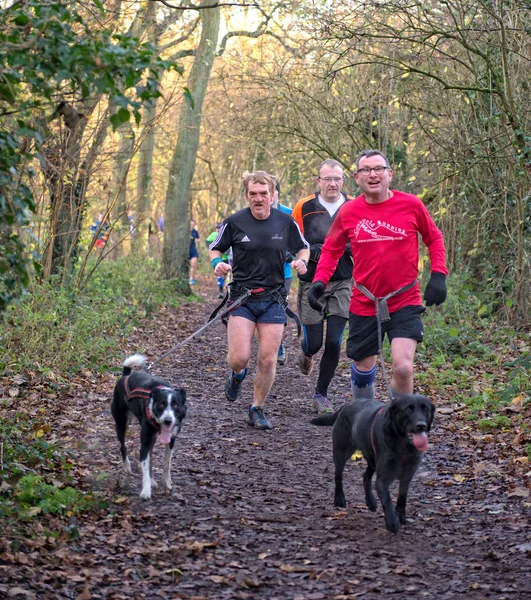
(176, 223)
(120, 231)
(144, 181)
(66, 183)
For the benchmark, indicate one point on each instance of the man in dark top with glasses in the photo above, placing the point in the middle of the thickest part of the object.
(314, 215)
(382, 226)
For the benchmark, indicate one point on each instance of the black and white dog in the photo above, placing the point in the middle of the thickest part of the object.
(159, 409)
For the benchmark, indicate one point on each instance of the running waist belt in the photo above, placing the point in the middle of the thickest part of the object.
(274, 293)
(382, 302)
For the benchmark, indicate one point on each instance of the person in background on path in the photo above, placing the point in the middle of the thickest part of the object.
(224, 258)
(160, 223)
(315, 215)
(259, 237)
(131, 220)
(193, 252)
(288, 277)
(102, 232)
(382, 226)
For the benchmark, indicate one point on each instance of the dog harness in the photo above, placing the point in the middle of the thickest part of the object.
(143, 394)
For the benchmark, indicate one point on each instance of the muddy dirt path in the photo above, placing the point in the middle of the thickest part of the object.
(251, 513)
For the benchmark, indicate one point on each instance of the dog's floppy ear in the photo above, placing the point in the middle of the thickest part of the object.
(391, 417)
(432, 413)
(431, 409)
(181, 395)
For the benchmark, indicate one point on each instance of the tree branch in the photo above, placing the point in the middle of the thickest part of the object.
(193, 7)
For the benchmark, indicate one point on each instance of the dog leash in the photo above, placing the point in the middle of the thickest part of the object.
(211, 321)
(380, 412)
(380, 351)
(382, 314)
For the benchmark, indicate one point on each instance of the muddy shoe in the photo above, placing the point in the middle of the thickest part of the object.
(305, 363)
(233, 385)
(257, 419)
(322, 405)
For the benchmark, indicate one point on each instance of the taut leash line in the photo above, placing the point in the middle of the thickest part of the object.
(211, 321)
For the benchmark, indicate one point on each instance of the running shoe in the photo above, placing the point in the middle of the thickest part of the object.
(233, 385)
(192, 281)
(282, 355)
(221, 295)
(305, 363)
(257, 419)
(321, 404)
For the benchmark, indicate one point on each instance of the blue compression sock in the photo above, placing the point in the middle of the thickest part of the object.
(362, 379)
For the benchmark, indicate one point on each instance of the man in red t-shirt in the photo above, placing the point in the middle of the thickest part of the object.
(382, 226)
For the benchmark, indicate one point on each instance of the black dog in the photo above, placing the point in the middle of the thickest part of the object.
(392, 438)
(159, 409)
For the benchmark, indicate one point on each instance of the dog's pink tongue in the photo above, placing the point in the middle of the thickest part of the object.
(165, 435)
(421, 441)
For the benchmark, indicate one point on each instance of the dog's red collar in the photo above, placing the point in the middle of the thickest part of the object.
(145, 395)
(380, 412)
(150, 418)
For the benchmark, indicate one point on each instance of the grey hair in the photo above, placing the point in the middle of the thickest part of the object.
(259, 177)
(329, 162)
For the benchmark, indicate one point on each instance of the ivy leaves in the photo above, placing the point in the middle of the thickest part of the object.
(51, 51)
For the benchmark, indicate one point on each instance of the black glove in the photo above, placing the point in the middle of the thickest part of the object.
(315, 251)
(435, 292)
(317, 289)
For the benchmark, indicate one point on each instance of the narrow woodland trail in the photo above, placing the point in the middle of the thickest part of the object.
(251, 513)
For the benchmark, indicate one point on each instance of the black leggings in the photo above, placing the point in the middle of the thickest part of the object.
(312, 342)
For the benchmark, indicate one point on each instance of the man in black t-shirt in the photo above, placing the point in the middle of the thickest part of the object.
(259, 236)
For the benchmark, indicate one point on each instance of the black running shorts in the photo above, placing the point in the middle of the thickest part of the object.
(362, 339)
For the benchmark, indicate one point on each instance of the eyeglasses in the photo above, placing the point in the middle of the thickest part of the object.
(367, 170)
(331, 179)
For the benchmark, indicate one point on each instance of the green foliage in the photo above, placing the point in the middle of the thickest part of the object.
(25, 448)
(49, 50)
(139, 281)
(519, 376)
(60, 330)
(26, 453)
(33, 496)
(497, 422)
(465, 356)
(52, 49)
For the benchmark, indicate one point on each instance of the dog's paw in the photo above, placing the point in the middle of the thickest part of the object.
(126, 467)
(145, 495)
(340, 501)
(154, 484)
(166, 482)
(402, 518)
(392, 523)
